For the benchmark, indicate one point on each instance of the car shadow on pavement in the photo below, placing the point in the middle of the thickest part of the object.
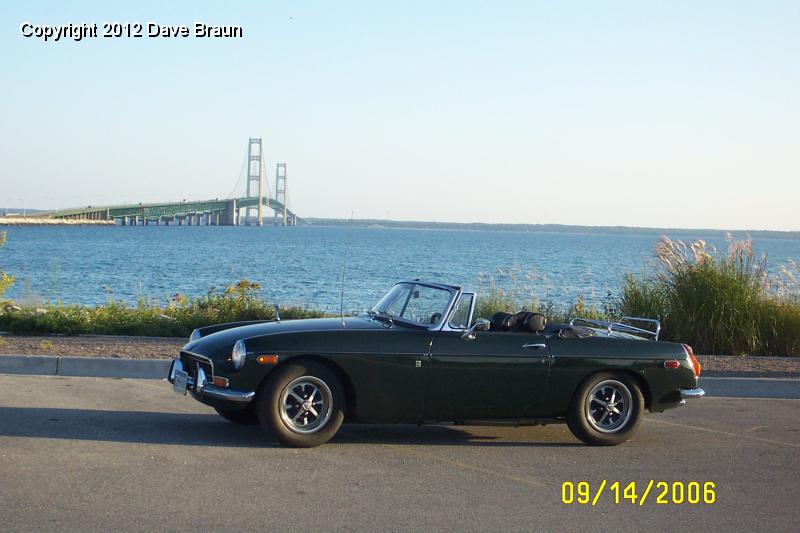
(449, 435)
(192, 429)
(188, 429)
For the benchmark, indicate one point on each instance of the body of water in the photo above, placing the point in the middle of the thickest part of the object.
(303, 265)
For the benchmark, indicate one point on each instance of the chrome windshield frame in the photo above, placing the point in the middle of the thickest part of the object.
(454, 291)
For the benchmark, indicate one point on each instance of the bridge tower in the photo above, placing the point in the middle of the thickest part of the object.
(280, 192)
(255, 179)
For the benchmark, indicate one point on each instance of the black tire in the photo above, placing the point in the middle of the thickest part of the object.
(597, 425)
(277, 403)
(244, 417)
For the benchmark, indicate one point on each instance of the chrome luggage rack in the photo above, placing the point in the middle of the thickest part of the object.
(621, 326)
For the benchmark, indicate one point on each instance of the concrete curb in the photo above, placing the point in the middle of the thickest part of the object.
(36, 365)
(101, 367)
(751, 387)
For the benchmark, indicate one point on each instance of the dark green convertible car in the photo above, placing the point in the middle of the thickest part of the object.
(419, 357)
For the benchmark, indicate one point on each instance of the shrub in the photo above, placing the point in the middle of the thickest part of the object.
(718, 303)
(177, 318)
(5, 280)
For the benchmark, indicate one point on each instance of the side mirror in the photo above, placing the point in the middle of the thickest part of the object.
(480, 324)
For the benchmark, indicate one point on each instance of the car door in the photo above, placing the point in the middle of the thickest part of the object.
(493, 375)
(385, 369)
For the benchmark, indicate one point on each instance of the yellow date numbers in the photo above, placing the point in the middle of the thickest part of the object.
(653, 491)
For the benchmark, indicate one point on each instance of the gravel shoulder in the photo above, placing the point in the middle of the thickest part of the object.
(92, 346)
(167, 348)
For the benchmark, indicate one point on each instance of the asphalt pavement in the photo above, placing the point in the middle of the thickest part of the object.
(100, 454)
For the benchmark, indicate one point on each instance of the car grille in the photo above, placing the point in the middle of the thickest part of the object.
(192, 361)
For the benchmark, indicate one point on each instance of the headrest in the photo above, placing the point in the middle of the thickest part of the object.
(500, 321)
(536, 322)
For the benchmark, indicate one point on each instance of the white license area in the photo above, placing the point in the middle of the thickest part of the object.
(179, 385)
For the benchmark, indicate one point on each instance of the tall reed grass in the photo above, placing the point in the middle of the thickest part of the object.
(720, 303)
(512, 290)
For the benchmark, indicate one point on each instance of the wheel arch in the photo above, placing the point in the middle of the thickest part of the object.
(344, 379)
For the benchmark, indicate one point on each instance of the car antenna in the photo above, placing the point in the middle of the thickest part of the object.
(344, 269)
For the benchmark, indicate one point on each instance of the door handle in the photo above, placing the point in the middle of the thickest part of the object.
(535, 345)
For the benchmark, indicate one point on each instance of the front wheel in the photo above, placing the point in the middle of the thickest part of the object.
(302, 404)
(605, 409)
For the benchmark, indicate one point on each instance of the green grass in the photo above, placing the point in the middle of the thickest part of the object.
(176, 318)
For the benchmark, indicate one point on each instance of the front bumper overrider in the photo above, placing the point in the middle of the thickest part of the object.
(203, 389)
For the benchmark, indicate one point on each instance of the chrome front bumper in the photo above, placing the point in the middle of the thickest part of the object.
(690, 394)
(200, 387)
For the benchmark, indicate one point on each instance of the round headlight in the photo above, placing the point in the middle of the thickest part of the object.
(195, 335)
(238, 354)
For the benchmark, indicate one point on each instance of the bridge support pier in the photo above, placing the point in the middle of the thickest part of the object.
(229, 216)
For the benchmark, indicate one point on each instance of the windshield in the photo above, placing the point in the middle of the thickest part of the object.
(413, 302)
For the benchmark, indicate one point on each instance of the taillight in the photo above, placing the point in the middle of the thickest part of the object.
(693, 360)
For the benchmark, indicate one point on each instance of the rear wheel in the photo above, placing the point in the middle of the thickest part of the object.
(302, 404)
(245, 417)
(605, 409)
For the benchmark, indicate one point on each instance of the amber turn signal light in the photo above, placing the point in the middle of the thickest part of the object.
(267, 359)
(693, 360)
(220, 382)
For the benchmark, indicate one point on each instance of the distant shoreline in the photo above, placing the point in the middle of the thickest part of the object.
(543, 228)
(37, 221)
(455, 226)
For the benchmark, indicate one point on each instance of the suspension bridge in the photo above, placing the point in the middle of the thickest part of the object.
(233, 211)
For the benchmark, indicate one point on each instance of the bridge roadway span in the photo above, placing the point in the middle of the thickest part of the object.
(218, 212)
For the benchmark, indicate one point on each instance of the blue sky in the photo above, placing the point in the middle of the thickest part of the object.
(678, 114)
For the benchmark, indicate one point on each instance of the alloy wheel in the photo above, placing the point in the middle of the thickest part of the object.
(306, 404)
(608, 406)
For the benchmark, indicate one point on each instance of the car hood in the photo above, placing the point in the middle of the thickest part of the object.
(219, 344)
